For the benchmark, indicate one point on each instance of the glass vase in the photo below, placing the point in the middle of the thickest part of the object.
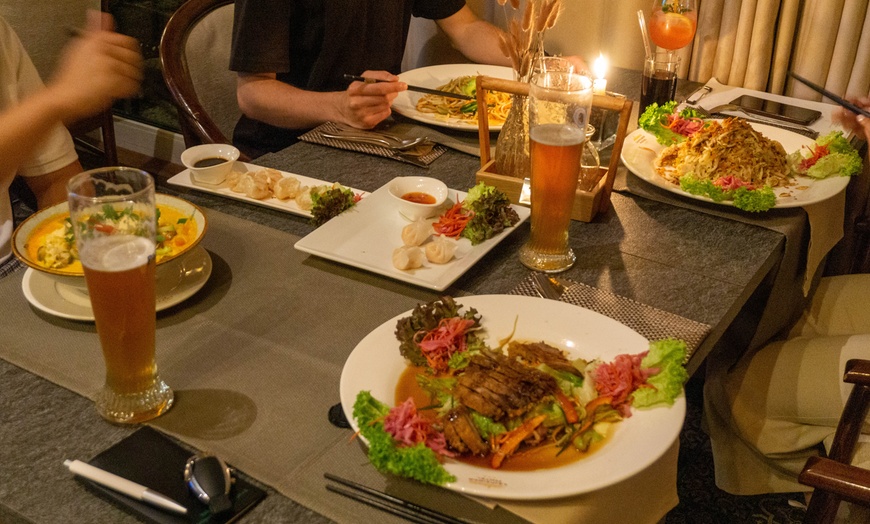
(512, 146)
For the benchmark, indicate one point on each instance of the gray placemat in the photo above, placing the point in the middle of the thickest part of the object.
(652, 323)
(315, 136)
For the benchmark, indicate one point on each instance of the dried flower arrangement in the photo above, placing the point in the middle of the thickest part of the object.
(524, 40)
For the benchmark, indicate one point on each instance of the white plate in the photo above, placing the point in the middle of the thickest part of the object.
(366, 235)
(184, 179)
(67, 297)
(434, 77)
(640, 149)
(375, 365)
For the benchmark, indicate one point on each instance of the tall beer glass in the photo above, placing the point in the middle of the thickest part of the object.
(559, 106)
(114, 217)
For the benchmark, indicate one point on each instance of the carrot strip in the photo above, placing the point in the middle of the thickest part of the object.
(567, 407)
(512, 439)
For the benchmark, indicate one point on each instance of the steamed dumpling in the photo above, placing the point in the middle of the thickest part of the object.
(287, 187)
(440, 250)
(416, 233)
(303, 198)
(408, 257)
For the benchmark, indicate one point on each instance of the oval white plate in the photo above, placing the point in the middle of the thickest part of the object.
(641, 149)
(67, 297)
(436, 76)
(375, 365)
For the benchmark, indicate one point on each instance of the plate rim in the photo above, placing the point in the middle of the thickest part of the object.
(656, 180)
(405, 102)
(373, 349)
(309, 243)
(175, 299)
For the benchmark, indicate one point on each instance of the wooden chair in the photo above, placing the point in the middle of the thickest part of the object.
(195, 55)
(833, 477)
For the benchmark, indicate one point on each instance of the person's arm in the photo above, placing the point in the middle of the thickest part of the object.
(479, 41)
(96, 68)
(264, 98)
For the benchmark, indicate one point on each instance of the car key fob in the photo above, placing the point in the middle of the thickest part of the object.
(210, 479)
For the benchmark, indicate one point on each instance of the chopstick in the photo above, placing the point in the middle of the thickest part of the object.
(390, 504)
(419, 89)
(842, 101)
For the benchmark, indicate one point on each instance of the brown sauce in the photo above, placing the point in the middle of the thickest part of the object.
(208, 162)
(419, 197)
(527, 459)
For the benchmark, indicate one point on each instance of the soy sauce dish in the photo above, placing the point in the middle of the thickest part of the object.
(209, 163)
(418, 197)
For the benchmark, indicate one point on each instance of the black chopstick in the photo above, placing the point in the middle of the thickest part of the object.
(842, 101)
(389, 503)
(419, 89)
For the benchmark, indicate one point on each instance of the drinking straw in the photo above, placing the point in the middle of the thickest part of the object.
(643, 32)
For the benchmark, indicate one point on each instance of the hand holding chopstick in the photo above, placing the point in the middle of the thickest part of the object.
(352, 78)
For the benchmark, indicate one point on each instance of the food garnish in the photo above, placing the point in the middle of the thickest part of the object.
(830, 155)
(495, 403)
(668, 126)
(483, 214)
(329, 202)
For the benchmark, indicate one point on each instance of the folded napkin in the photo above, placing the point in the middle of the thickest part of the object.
(652, 323)
(418, 158)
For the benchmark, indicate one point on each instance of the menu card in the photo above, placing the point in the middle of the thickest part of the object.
(149, 458)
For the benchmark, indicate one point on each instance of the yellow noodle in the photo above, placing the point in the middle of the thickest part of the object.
(498, 104)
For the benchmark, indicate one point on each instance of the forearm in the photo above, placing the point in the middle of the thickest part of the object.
(274, 102)
(479, 42)
(23, 127)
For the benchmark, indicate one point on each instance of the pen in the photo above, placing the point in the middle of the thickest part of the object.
(122, 485)
(419, 89)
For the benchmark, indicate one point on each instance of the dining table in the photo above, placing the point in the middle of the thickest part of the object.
(255, 357)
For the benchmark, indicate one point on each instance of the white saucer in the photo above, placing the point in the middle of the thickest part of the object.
(67, 297)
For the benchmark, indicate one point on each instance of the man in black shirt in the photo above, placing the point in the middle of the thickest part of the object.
(291, 56)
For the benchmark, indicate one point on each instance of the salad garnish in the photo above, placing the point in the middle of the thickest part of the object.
(668, 126)
(830, 155)
(498, 403)
(331, 201)
(483, 214)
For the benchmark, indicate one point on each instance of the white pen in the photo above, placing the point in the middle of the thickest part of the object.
(122, 485)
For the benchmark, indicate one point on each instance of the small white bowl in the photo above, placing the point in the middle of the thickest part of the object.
(402, 186)
(209, 174)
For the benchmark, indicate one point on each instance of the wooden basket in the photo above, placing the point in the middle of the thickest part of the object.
(587, 204)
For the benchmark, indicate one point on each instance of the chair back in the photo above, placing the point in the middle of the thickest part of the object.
(195, 58)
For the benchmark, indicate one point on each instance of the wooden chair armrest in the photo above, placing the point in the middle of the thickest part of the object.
(847, 482)
(857, 372)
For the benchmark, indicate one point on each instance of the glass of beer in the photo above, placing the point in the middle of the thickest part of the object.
(114, 218)
(559, 107)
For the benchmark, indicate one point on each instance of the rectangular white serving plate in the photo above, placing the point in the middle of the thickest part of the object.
(184, 179)
(366, 235)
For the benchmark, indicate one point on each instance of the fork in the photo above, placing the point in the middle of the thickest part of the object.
(797, 128)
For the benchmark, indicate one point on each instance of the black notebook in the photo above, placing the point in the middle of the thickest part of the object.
(149, 458)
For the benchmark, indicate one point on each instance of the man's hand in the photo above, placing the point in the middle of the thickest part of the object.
(97, 67)
(851, 121)
(366, 104)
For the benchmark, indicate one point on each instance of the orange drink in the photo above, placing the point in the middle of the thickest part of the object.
(673, 23)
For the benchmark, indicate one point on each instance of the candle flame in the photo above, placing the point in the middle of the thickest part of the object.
(600, 67)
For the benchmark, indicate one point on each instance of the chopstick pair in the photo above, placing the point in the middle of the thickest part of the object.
(355, 78)
(390, 504)
(842, 101)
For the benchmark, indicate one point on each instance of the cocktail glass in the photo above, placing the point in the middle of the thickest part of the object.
(673, 23)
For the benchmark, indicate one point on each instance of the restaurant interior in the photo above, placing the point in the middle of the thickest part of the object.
(259, 353)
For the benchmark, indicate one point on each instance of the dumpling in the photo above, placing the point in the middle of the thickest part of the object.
(287, 187)
(417, 232)
(254, 185)
(272, 176)
(233, 179)
(407, 257)
(440, 250)
(303, 198)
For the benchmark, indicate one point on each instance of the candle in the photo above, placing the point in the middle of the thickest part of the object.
(599, 85)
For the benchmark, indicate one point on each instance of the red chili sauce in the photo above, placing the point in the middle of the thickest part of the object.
(419, 197)
(527, 459)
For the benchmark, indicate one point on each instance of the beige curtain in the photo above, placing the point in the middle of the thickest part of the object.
(754, 43)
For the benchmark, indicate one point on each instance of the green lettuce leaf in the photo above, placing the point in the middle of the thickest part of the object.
(417, 462)
(667, 356)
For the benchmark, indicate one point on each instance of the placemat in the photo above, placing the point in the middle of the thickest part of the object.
(315, 136)
(10, 266)
(652, 323)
